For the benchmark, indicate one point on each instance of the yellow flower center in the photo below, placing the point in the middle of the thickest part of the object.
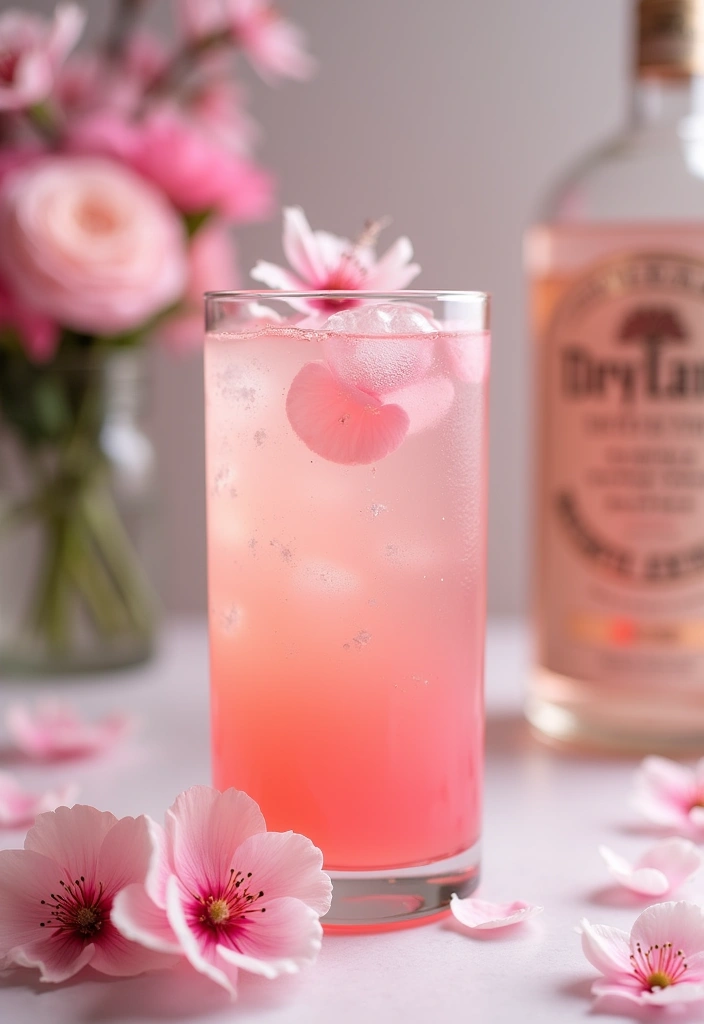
(218, 911)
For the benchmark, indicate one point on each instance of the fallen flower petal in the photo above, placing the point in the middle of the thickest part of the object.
(19, 806)
(661, 869)
(226, 892)
(482, 915)
(52, 729)
(661, 961)
(56, 894)
(670, 794)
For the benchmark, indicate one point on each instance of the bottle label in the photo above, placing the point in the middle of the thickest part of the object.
(621, 574)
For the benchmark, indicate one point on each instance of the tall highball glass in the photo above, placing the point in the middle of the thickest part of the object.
(347, 482)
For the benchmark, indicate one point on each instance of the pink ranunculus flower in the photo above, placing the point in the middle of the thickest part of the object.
(660, 963)
(32, 50)
(325, 262)
(197, 175)
(671, 795)
(212, 267)
(19, 806)
(54, 729)
(57, 893)
(90, 244)
(659, 870)
(481, 915)
(38, 334)
(274, 46)
(225, 892)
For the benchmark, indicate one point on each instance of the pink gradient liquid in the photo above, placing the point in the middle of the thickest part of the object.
(347, 610)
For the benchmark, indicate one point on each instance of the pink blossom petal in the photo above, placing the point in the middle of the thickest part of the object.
(665, 792)
(426, 403)
(642, 880)
(71, 837)
(684, 992)
(18, 806)
(681, 923)
(469, 356)
(393, 271)
(125, 854)
(138, 918)
(57, 958)
(204, 828)
(300, 247)
(159, 867)
(678, 859)
(481, 914)
(607, 989)
(341, 424)
(278, 278)
(26, 878)
(201, 955)
(607, 949)
(286, 864)
(288, 936)
(54, 729)
(117, 956)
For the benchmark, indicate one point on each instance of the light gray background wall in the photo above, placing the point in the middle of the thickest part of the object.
(452, 117)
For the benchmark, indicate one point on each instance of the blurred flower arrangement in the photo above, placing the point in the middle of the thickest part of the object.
(122, 170)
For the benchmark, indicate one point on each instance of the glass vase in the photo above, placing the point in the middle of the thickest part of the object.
(76, 513)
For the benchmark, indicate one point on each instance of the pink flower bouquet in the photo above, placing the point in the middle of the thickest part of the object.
(123, 169)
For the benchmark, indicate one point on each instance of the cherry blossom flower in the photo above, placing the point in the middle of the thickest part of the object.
(225, 892)
(671, 795)
(32, 50)
(325, 262)
(481, 915)
(53, 729)
(661, 869)
(56, 894)
(20, 807)
(661, 962)
(274, 46)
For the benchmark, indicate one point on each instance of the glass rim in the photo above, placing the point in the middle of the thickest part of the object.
(450, 295)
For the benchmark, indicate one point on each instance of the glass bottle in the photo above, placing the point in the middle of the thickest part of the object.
(617, 291)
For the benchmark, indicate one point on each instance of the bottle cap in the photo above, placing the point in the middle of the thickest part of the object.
(670, 38)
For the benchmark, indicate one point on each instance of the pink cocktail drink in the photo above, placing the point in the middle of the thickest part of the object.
(346, 522)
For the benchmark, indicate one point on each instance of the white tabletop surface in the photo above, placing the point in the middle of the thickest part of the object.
(545, 815)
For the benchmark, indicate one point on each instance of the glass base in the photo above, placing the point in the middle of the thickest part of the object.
(576, 714)
(384, 900)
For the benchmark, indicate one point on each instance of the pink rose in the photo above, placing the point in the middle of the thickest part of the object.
(212, 267)
(32, 50)
(90, 244)
(194, 171)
